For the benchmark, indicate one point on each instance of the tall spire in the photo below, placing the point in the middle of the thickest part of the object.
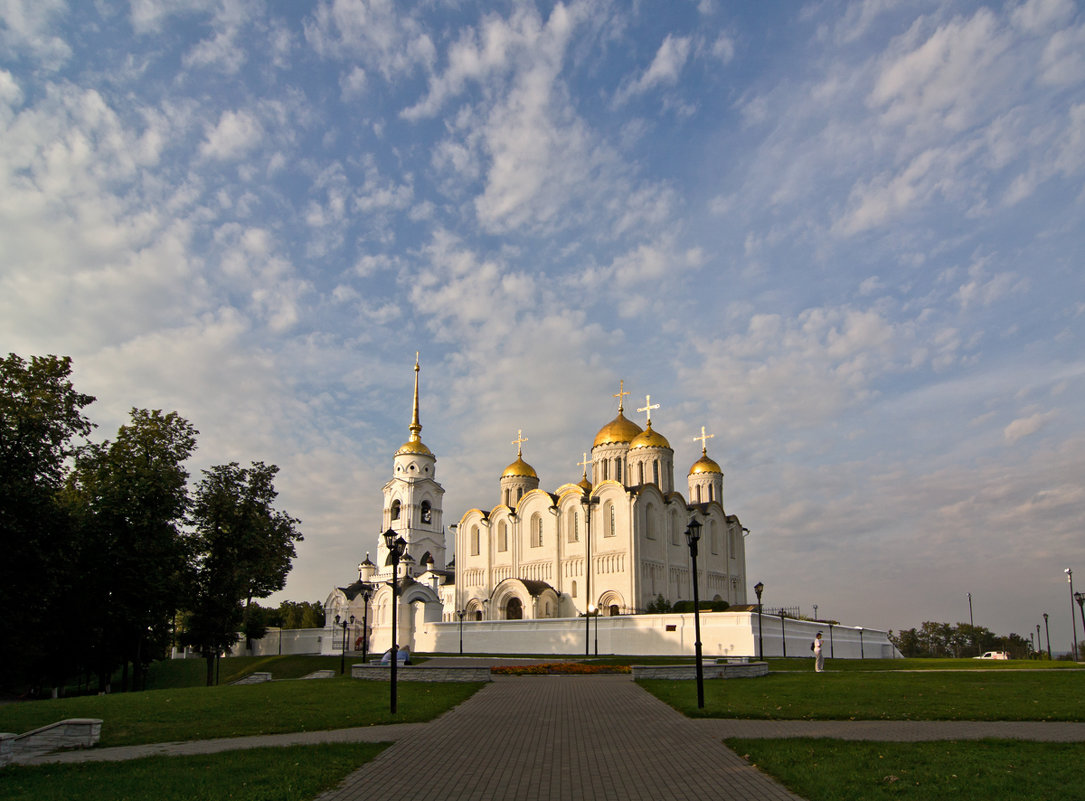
(415, 426)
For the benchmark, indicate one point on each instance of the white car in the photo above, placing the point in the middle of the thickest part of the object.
(993, 655)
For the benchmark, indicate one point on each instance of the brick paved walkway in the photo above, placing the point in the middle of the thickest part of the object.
(556, 738)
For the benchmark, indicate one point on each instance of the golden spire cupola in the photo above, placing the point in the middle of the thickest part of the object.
(413, 498)
(705, 476)
(415, 444)
(519, 477)
(611, 445)
(650, 457)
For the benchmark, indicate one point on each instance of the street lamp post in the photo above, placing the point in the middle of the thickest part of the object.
(1080, 598)
(1047, 630)
(460, 613)
(759, 588)
(587, 501)
(397, 546)
(971, 622)
(832, 649)
(366, 595)
(862, 655)
(1073, 620)
(693, 534)
(593, 610)
(343, 652)
(783, 632)
(815, 611)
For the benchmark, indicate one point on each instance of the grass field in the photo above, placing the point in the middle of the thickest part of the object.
(196, 713)
(294, 773)
(963, 695)
(839, 770)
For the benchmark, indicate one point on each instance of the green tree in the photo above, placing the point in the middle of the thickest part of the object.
(131, 495)
(242, 548)
(41, 421)
(301, 615)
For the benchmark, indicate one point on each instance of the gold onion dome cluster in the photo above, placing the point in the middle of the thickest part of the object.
(617, 431)
(519, 469)
(649, 438)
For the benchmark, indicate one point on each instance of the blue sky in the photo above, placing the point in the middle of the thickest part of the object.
(844, 237)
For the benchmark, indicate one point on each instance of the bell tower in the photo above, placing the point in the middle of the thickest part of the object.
(412, 499)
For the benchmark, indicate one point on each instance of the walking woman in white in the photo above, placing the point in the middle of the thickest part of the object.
(819, 656)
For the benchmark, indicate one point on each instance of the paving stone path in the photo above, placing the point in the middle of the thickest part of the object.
(573, 737)
(555, 738)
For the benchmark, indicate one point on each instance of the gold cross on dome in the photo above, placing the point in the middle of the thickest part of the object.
(621, 394)
(584, 463)
(704, 440)
(648, 406)
(520, 440)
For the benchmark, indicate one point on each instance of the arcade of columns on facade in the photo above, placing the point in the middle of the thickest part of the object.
(611, 543)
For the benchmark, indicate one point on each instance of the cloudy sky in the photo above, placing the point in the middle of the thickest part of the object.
(845, 237)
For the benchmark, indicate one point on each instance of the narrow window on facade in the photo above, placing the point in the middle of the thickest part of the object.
(574, 588)
(649, 523)
(675, 525)
(611, 526)
(536, 531)
(713, 536)
(617, 469)
(395, 509)
(731, 543)
(696, 494)
(519, 494)
(606, 469)
(474, 541)
(655, 473)
(640, 470)
(574, 527)
(426, 513)
(502, 537)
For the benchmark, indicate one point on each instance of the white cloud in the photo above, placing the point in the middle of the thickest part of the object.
(26, 27)
(664, 69)
(1026, 426)
(1037, 15)
(353, 83)
(236, 133)
(222, 49)
(388, 41)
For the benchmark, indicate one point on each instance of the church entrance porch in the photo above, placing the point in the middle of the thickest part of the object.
(514, 609)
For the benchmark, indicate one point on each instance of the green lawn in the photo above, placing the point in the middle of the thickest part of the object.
(840, 770)
(196, 713)
(262, 774)
(964, 695)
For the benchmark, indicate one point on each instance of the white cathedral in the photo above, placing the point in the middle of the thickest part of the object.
(609, 545)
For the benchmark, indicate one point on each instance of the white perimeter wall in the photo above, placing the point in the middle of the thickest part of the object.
(723, 634)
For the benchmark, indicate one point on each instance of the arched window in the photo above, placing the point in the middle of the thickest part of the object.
(640, 470)
(574, 588)
(574, 526)
(614, 612)
(519, 494)
(731, 542)
(611, 528)
(474, 541)
(713, 536)
(655, 472)
(536, 531)
(711, 492)
(606, 469)
(676, 526)
(696, 494)
(395, 509)
(649, 522)
(617, 469)
(502, 536)
(426, 513)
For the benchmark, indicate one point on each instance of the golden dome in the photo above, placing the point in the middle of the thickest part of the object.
(519, 469)
(649, 439)
(705, 465)
(414, 445)
(617, 431)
